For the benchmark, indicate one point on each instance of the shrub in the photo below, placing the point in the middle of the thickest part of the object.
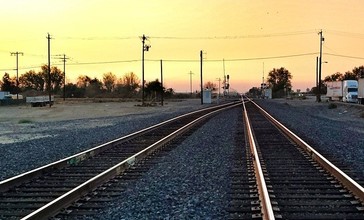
(24, 121)
(332, 105)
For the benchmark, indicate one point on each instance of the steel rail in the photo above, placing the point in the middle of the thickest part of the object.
(267, 209)
(347, 181)
(77, 158)
(68, 198)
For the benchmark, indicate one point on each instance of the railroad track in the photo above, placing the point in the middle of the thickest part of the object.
(293, 180)
(44, 192)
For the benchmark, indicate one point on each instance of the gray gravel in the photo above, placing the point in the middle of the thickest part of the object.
(57, 140)
(192, 182)
(336, 133)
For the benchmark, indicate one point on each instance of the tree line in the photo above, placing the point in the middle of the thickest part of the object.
(279, 80)
(36, 83)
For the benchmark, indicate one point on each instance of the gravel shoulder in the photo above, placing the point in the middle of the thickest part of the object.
(336, 133)
(50, 134)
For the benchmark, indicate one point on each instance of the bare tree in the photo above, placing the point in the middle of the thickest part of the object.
(109, 80)
(210, 85)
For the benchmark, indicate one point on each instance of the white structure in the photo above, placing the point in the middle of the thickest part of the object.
(206, 96)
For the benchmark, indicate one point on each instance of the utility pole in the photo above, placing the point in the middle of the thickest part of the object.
(49, 69)
(162, 83)
(201, 77)
(224, 82)
(144, 48)
(191, 73)
(17, 71)
(317, 83)
(64, 60)
(320, 64)
(218, 97)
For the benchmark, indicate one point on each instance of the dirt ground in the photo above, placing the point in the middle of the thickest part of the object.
(18, 123)
(70, 110)
(79, 109)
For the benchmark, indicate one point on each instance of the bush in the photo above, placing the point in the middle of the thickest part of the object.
(24, 121)
(332, 105)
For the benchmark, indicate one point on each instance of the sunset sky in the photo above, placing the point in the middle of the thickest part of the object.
(102, 36)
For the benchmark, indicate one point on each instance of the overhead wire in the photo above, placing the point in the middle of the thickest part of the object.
(283, 34)
(344, 33)
(227, 37)
(345, 56)
(168, 60)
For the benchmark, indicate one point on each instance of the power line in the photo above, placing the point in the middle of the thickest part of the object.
(177, 60)
(284, 34)
(345, 56)
(227, 37)
(104, 62)
(97, 38)
(343, 33)
(242, 59)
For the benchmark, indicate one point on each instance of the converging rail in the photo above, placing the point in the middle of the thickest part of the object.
(294, 180)
(43, 192)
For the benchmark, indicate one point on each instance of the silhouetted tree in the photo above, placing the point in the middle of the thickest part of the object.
(32, 80)
(153, 87)
(169, 93)
(109, 80)
(73, 91)
(94, 89)
(83, 81)
(358, 72)
(334, 77)
(255, 92)
(210, 85)
(280, 81)
(128, 85)
(350, 76)
(56, 77)
(8, 84)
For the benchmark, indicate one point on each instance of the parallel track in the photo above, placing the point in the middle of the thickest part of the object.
(299, 187)
(43, 192)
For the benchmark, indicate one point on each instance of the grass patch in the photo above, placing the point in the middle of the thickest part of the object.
(25, 121)
(332, 106)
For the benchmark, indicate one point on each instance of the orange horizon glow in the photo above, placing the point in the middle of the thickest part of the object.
(245, 33)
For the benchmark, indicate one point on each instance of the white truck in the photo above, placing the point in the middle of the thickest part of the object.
(361, 91)
(346, 91)
(39, 100)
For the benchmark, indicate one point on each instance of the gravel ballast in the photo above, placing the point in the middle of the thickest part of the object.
(192, 182)
(26, 146)
(336, 133)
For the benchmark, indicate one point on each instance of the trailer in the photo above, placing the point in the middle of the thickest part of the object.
(39, 101)
(346, 91)
(361, 91)
(334, 90)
